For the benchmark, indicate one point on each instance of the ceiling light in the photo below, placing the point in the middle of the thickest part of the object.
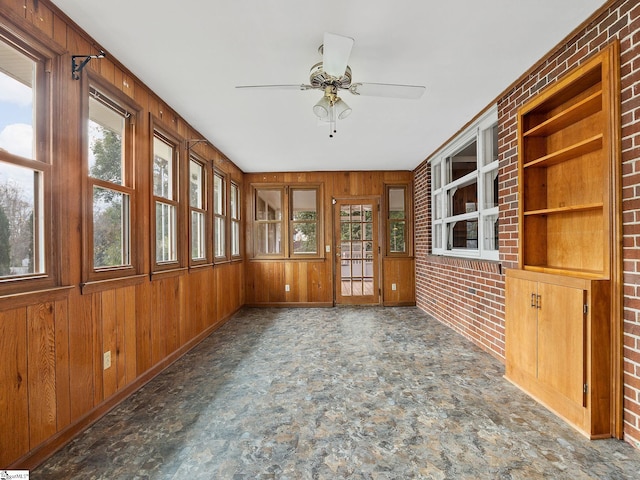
(321, 109)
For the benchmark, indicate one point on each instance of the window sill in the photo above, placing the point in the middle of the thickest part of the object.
(174, 272)
(290, 259)
(111, 284)
(24, 299)
(475, 263)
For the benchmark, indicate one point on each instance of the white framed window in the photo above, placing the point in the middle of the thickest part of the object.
(464, 192)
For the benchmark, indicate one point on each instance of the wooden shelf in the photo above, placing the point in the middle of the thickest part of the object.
(573, 208)
(589, 274)
(579, 111)
(581, 148)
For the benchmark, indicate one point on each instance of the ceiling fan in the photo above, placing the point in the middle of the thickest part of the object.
(333, 74)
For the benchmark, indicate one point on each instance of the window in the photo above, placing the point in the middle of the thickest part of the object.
(304, 221)
(198, 210)
(268, 222)
(398, 225)
(24, 167)
(464, 193)
(234, 210)
(220, 217)
(165, 197)
(300, 205)
(110, 187)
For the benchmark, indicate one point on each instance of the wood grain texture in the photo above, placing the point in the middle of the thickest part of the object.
(41, 364)
(14, 403)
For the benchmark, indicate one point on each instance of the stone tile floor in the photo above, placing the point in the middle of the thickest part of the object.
(357, 393)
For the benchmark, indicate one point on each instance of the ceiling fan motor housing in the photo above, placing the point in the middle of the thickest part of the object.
(318, 78)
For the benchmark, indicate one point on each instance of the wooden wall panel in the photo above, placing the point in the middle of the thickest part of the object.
(109, 326)
(14, 405)
(82, 380)
(312, 282)
(398, 271)
(129, 341)
(63, 393)
(41, 367)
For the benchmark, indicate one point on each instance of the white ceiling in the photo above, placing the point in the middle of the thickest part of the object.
(193, 53)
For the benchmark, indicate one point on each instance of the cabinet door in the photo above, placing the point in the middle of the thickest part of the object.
(561, 362)
(521, 327)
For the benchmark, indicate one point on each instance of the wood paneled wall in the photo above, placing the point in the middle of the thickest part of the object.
(311, 281)
(53, 382)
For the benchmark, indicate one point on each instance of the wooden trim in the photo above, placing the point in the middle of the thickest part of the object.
(54, 443)
(24, 299)
(290, 304)
(173, 272)
(111, 283)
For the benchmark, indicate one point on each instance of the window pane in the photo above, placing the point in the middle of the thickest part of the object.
(463, 234)
(235, 238)
(490, 189)
(490, 232)
(235, 202)
(437, 206)
(268, 238)
(106, 131)
(490, 145)
(197, 235)
(110, 228)
(195, 184)
(463, 162)
(219, 243)
(397, 239)
(464, 199)
(166, 250)
(437, 236)
(218, 195)
(269, 205)
(436, 176)
(21, 244)
(162, 169)
(304, 237)
(396, 203)
(17, 118)
(304, 205)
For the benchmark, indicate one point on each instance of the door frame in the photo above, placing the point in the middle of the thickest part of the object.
(375, 200)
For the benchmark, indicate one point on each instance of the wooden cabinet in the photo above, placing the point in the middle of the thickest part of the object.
(557, 345)
(558, 303)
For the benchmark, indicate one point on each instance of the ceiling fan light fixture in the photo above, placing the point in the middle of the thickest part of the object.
(342, 109)
(321, 109)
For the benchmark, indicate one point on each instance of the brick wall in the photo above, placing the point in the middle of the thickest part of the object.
(469, 295)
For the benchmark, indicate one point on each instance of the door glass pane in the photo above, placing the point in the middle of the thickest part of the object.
(356, 262)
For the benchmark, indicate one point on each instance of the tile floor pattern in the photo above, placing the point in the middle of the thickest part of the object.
(353, 393)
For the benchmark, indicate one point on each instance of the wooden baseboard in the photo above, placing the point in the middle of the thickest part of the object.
(290, 304)
(46, 449)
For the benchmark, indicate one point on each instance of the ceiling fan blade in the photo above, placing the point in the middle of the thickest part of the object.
(336, 50)
(387, 90)
(300, 86)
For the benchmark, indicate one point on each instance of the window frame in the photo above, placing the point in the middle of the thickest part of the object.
(163, 134)
(130, 112)
(235, 221)
(45, 206)
(442, 217)
(286, 221)
(408, 219)
(224, 217)
(205, 210)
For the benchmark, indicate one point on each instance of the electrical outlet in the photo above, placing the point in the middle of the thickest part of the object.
(287, 288)
(393, 286)
(107, 360)
(327, 248)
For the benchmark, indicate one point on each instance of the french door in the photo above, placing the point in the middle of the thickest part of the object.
(356, 251)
